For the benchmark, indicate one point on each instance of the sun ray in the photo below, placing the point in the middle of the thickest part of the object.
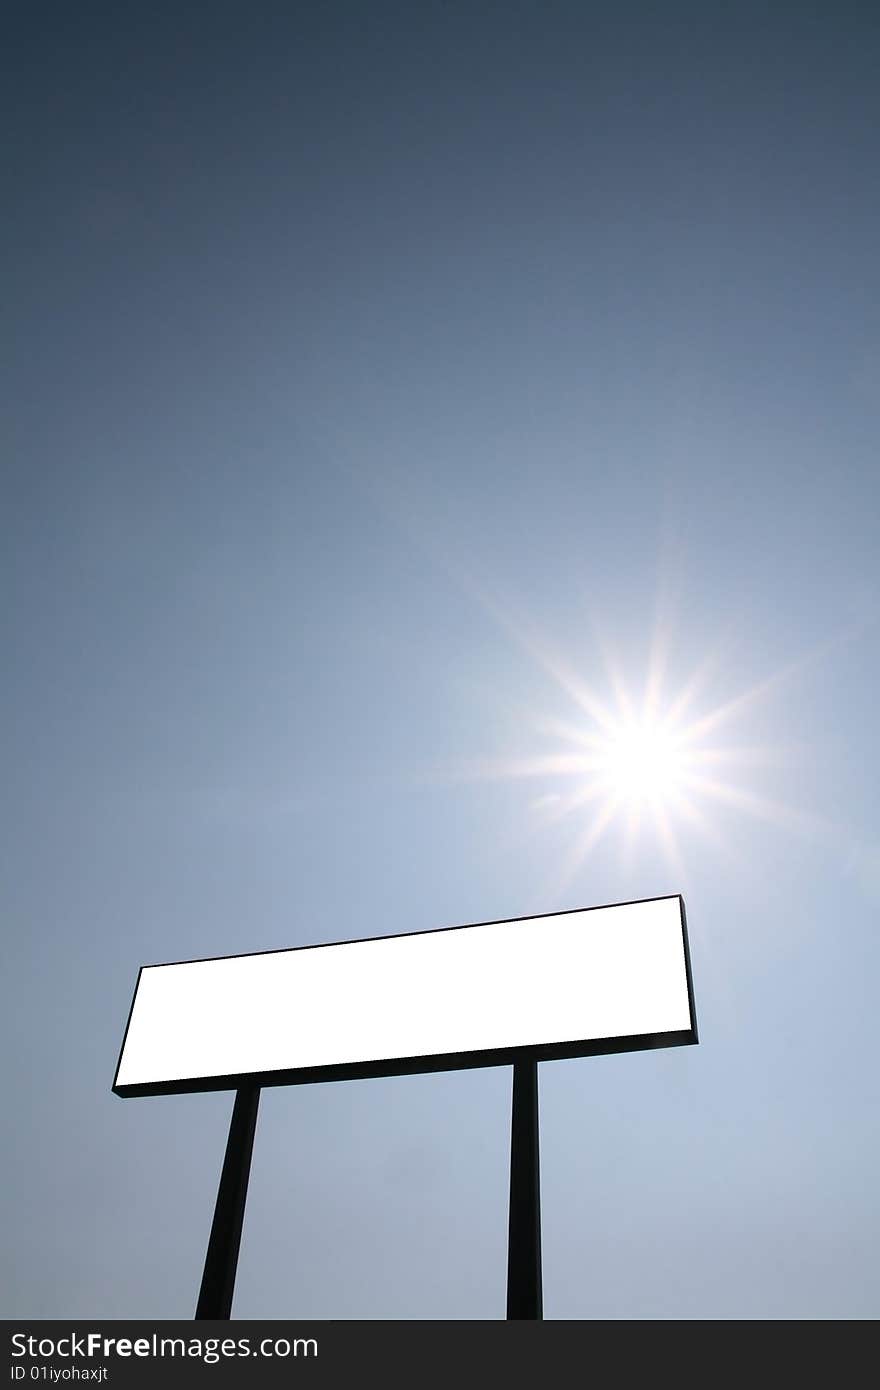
(702, 826)
(761, 807)
(584, 844)
(740, 755)
(629, 839)
(622, 696)
(658, 657)
(740, 703)
(563, 806)
(574, 733)
(538, 647)
(668, 840)
(695, 685)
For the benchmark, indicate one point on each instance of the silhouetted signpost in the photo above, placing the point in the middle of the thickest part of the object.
(517, 992)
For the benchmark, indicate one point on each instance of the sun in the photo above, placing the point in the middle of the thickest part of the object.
(643, 762)
(646, 759)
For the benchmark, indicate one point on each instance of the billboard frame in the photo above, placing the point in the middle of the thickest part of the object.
(524, 1273)
(409, 1066)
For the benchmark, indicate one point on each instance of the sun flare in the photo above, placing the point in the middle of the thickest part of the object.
(648, 763)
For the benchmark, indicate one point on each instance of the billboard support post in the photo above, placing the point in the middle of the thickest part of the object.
(221, 1261)
(524, 1289)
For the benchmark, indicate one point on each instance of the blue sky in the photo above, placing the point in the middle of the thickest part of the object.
(380, 381)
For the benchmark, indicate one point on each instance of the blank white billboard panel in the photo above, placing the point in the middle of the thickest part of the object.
(567, 984)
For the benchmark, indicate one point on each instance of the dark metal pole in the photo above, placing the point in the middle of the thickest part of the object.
(524, 1292)
(218, 1280)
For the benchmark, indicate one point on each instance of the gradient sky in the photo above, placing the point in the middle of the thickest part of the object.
(380, 380)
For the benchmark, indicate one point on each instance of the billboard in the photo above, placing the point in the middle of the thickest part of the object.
(567, 984)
